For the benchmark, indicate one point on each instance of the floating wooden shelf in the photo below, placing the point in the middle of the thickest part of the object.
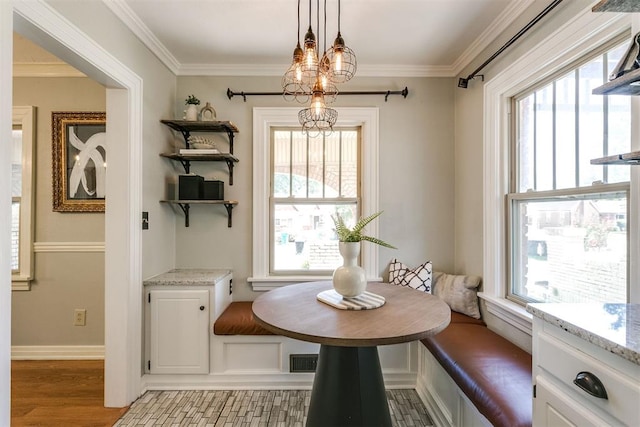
(632, 158)
(185, 205)
(186, 159)
(185, 127)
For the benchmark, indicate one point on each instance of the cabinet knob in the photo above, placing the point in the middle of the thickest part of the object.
(591, 384)
(202, 308)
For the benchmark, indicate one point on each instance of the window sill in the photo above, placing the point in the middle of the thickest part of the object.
(261, 284)
(512, 313)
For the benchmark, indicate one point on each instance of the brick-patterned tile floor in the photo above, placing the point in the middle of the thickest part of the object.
(240, 408)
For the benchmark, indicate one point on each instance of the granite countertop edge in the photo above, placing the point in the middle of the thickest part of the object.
(187, 277)
(594, 338)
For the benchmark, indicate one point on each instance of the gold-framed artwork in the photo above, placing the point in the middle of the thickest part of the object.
(79, 161)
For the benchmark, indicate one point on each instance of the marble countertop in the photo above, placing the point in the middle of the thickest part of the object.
(187, 277)
(613, 327)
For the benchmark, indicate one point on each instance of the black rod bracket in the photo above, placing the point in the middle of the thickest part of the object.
(464, 82)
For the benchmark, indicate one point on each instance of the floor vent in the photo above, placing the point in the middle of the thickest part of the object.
(303, 362)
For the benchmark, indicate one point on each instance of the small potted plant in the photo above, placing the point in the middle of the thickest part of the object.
(349, 279)
(346, 234)
(191, 113)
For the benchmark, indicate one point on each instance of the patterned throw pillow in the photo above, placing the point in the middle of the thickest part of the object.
(418, 278)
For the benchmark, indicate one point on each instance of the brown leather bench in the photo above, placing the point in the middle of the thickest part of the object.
(238, 319)
(493, 373)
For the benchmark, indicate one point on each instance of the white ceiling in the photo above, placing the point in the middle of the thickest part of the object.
(257, 37)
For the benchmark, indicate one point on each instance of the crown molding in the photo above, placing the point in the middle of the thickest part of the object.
(500, 24)
(279, 69)
(45, 69)
(133, 22)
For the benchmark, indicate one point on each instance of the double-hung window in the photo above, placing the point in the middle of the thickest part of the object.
(22, 190)
(312, 179)
(567, 218)
(299, 182)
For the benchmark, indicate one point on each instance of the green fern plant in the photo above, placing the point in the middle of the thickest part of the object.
(191, 99)
(346, 234)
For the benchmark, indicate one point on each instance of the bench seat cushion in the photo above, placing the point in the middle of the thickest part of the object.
(238, 319)
(494, 373)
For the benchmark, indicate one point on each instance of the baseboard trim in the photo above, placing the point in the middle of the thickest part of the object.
(256, 381)
(57, 352)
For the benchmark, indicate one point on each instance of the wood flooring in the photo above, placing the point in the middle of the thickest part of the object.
(56, 393)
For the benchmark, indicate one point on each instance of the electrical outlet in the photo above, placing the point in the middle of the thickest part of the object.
(80, 317)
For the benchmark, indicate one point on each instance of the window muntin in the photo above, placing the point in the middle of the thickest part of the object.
(564, 231)
(311, 179)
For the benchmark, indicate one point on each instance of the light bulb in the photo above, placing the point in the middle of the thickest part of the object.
(309, 57)
(77, 158)
(298, 72)
(338, 61)
(317, 105)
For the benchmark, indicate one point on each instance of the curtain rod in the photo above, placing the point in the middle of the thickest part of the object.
(463, 83)
(404, 92)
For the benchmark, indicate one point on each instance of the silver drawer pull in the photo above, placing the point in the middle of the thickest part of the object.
(591, 384)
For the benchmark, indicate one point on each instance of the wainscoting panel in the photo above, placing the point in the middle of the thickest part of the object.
(254, 357)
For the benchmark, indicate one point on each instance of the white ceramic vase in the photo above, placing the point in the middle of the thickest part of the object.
(191, 113)
(349, 279)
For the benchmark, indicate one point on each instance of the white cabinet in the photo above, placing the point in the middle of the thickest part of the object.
(560, 358)
(178, 324)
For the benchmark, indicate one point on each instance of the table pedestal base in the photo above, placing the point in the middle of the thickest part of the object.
(348, 389)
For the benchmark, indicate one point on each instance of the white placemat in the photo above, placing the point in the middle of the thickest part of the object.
(365, 301)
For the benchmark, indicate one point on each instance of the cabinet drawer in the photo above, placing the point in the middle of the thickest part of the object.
(564, 362)
(552, 407)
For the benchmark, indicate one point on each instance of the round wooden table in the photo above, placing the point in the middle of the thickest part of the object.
(348, 388)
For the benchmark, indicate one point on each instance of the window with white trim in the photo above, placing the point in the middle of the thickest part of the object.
(567, 226)
(312, 178)
(268, 229)
(22, 190)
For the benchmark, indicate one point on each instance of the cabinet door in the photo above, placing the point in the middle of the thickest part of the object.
(179, 332)
(553, 407)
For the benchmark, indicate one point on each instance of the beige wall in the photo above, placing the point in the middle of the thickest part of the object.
(63, 281)
(416, 173)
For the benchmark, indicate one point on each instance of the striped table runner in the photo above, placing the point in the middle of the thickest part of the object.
(365, 301)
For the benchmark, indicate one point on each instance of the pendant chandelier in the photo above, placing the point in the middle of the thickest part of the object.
(313, 78)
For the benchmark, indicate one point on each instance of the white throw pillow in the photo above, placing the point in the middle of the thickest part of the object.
(418, 278)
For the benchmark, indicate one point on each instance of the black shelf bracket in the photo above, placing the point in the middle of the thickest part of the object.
(186, 164)
(230, 166)
(404, 92)
(185, 208)
(229, 207)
